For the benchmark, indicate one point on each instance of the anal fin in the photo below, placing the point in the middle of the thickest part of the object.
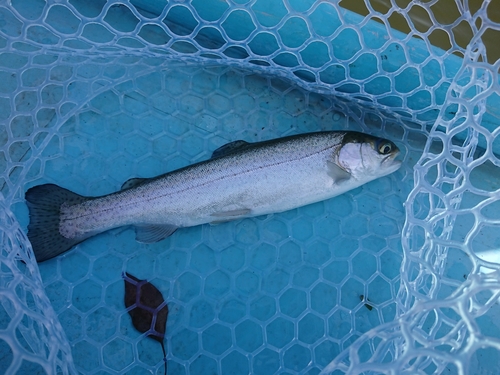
(153, 233)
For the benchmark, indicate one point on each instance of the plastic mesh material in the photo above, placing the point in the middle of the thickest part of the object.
(93, 93)
(31, 339)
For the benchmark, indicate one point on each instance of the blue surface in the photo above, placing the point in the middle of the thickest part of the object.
(268, 287)
(283, 293)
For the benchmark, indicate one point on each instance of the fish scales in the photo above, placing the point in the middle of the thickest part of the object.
(240, 180)
(271, 178)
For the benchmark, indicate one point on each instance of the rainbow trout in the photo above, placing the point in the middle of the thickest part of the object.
(241, 180)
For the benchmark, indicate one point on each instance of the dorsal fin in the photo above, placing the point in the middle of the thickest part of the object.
(229, 148)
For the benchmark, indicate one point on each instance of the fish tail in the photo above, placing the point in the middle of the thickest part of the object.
(44, 204)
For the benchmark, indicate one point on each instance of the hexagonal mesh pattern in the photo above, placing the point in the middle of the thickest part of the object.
(94, 93)
(30, 331)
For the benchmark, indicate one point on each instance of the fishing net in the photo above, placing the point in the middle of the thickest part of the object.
(32, 340)
(95, 92)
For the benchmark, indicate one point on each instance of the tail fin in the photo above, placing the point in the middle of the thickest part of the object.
(44, 204)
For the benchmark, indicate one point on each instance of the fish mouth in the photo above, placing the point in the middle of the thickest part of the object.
(390, 163)
(391, 157)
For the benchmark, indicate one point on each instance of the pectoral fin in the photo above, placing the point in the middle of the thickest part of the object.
(336, 173)
(153, 233)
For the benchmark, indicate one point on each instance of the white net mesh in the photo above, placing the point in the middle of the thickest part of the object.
(31, 339)
(93, 93)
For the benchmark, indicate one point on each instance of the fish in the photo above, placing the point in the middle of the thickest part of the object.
(147, 308)
(240, 180)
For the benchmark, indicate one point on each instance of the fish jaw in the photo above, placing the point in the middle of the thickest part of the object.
(391, 166)
(365, 162)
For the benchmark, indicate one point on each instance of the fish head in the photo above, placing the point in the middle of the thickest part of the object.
(366, 157)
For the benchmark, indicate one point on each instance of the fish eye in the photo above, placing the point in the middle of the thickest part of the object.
(385, 148)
